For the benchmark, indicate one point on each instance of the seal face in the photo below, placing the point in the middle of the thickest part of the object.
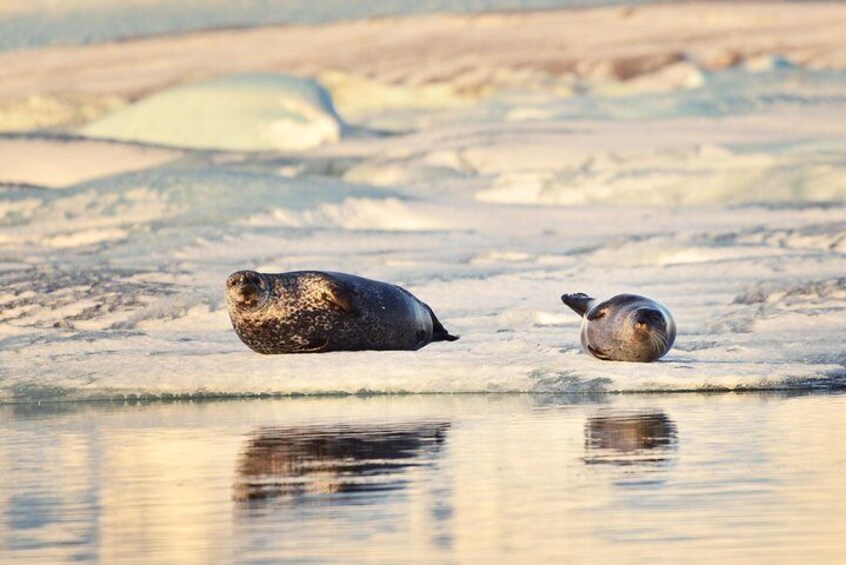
(316, 311)
(626, 327)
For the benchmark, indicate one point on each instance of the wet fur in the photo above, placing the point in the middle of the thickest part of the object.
(315, 311)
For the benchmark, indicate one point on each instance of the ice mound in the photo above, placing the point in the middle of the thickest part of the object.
(698, 175)
(246, 112)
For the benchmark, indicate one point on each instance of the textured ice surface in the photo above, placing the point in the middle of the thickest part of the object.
(725, 200)
(114, 286)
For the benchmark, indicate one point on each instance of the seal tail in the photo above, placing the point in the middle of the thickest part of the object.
(439, 332)
(578, 302)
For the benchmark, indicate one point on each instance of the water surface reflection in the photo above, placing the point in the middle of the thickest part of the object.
(293, 463)
(444, 479)
(639, 438)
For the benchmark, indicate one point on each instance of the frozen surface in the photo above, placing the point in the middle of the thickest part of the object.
(723, 197)
(244, 112)
(32, 23)
(60, 162)
(448, 60)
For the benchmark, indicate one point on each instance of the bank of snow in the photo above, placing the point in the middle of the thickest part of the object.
(246, 112)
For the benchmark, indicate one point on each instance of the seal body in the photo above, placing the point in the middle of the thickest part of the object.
(317, 311)
(626, 327)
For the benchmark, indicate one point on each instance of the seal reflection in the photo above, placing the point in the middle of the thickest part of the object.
(642, 438)
(297, 463)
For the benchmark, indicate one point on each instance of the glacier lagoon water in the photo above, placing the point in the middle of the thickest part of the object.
(734, 478)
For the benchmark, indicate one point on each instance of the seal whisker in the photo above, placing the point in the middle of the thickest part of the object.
(661, 341)
(657, 342)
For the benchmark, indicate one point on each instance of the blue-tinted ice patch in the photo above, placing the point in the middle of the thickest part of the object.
(242, 112)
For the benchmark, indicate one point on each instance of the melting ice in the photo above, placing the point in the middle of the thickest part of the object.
(725, 204)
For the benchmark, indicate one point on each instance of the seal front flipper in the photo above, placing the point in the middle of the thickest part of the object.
(339, 296)
(578, 302)
(598, 353)
(316, 346)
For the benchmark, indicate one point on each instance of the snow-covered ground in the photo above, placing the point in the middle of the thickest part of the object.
(708, 173)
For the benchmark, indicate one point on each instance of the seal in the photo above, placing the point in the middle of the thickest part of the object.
(626, 327)
(317, 311)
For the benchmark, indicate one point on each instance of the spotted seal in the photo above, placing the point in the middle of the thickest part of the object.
(317, 311)
(626, 327)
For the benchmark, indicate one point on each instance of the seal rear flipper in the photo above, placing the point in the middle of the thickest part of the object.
(578, 302)
(439, 332)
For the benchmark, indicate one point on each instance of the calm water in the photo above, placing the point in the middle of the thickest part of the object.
(735, 478)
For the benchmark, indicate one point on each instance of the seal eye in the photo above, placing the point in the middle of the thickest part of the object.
(252, 279)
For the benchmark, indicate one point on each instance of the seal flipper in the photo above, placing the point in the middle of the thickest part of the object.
(339, 296)
(578, 302)
(317, 346)
(439, 332)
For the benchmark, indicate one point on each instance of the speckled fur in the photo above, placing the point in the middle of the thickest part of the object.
(315, 311)
(609, 329)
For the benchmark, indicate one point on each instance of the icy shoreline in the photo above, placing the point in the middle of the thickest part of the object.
(723, 198)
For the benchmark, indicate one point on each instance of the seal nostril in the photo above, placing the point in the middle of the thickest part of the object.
(649, 317)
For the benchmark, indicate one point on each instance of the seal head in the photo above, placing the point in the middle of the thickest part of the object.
(626, 327)
(247, 290)
(316, 311)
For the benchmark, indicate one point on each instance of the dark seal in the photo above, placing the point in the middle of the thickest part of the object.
(316, 311)
(626, 327)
